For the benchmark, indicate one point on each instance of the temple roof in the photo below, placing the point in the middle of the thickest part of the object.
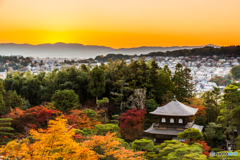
(169, 131)
(200, 128)
(175, 108)
(166, 131)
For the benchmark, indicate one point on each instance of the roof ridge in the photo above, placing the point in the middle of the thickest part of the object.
(175, 108)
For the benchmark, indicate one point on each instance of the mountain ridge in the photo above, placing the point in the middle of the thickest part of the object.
(76, 50)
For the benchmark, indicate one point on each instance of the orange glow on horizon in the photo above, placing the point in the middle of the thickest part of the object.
(121, 24)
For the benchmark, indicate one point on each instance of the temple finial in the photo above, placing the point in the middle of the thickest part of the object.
(174, 98)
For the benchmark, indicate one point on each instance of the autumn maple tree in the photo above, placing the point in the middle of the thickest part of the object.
(57, 142)
(35, 117)
(107, 147)
(81, 120)
(131, 123)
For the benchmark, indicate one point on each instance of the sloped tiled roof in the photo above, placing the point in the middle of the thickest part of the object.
(200, 128)
(169, 131)
(166, 131)
(175, 108)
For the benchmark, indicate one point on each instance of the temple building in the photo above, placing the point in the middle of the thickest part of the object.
(173, 118)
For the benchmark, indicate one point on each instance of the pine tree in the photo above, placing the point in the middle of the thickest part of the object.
(97, 82)
(182, 80)
(154, 91)
(5, 129)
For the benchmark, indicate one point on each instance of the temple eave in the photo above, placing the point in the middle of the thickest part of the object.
(173, 132)
(176, 115)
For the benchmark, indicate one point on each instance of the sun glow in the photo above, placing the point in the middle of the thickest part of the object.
(121, 23)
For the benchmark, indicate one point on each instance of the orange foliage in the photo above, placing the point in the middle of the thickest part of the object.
(81, 120)
(196, 103)
(201, 110)
(107, 146)
(193, 101)
(14, 113)
(57, 142)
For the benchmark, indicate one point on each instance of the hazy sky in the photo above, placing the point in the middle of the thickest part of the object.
(121, 23)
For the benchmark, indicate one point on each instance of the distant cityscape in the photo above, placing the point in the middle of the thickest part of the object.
(203, 69)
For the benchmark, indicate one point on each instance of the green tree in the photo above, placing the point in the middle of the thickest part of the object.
(214, 135)
(84, 68)
(12, 100)
(179, 81)
(32, 65)
(150, 105)
(230, 111)
(102, 103)
(31, 91)
(5, 129)
(191, 134)
(143, 145)
(97, 82)
(138, 74)
(103, 129)
(188, 84)
(41, 64)
(2, 104)
(90, 113)
(119, 97)
(154, 89)
(167, 85)
(123, 143)
(235, 72)
(211, 101)
(115, 119)
(172, 149)
(65, 100)
(182, 81)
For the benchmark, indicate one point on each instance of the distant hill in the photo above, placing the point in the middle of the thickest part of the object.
(207, 51)
(73, 50)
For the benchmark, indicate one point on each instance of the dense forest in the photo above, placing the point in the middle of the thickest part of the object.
(229, 51)
(112, 80)
(101, 112)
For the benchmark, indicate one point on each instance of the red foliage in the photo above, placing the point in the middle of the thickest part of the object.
(205, 147)
(42, 114)
(33, 118)
(131, 123)
(78, 137)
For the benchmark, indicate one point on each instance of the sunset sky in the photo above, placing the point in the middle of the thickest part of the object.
(121, 23)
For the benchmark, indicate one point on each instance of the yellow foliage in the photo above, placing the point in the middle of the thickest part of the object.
(100, 115)
(107, 146)
(50, 105)
(55, 142)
